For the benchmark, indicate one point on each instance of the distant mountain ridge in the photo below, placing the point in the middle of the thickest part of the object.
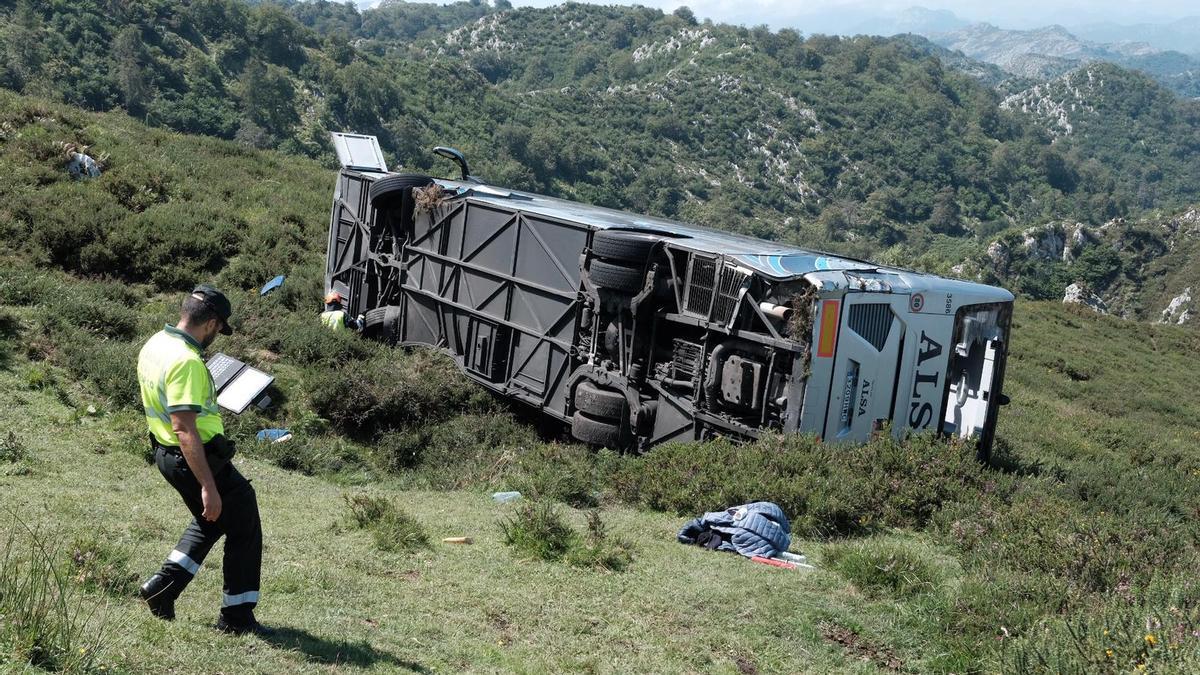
(919, 20)
(1050, 51)
(1181, 35)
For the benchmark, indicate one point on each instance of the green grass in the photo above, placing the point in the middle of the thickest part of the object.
(451, 608)
(1020, 567)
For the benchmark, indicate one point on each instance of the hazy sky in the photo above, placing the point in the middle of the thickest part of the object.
(811, 16)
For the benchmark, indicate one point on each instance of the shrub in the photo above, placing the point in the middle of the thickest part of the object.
(826, 490)
(1157, 633)
(399, 531)
(366, 510)
(98, 564)
(75, 217)
(302, 339)
(102, 310)
(12, 448)
(392, 391)
(109, 365)
(565, 473)
(883, 568)
(38, 376)
(309, 454)
(538, 531)
(22, 286)
(46, 623)
(171, 245)
(599, 549)
(138, 187)
(468, 450)
(391, 527)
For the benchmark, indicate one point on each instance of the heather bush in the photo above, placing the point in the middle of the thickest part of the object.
(392, 528)
(394, 391)
(537, 530)
(826, 489)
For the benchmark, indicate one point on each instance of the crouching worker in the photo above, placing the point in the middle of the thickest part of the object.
(192, 453)
(335, 317)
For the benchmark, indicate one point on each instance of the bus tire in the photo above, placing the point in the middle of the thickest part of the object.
(616, 277)
(623, 246)
(595, 432)
(598, 402)
(387, 191)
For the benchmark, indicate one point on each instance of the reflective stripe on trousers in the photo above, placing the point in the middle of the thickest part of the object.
(239, 523)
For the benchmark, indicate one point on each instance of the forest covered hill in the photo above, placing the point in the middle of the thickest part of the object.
(866, 146)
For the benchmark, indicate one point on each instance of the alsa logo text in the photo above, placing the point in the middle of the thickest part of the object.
(925, 389)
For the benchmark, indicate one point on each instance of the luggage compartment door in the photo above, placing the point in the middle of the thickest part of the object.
(869, 343)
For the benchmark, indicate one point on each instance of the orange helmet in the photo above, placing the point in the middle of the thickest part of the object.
(333, 297)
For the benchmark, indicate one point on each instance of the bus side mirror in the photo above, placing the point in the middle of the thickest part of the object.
(458, 157)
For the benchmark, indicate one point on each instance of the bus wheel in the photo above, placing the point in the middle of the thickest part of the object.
(595, 432)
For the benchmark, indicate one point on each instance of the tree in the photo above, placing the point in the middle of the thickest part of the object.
(23, 47)
(279, 38)
(267, 97)
(945, 217)
(684, 12)
(130, 57)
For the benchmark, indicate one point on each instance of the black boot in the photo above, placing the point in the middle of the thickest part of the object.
(159, 594)
(241, 623)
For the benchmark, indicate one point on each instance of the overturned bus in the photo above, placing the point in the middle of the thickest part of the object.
(636, 331)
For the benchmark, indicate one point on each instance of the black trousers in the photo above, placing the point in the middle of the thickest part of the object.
(238, 523)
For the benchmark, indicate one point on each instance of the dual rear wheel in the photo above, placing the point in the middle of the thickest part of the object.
(619, 259)
(599, 414)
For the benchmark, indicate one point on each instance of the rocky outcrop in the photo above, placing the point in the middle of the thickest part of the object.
(1179, 310)
(1045, 241)
(1189, 223)
(1078, 294)
(1078, 238)
(1000, 257)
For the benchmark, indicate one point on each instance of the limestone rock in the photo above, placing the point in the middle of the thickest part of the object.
(1045, 241)
(1079, 237)
(999, 255)
(1078, 294)
(1179, 310)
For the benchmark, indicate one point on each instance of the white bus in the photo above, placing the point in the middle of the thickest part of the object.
(637, 331)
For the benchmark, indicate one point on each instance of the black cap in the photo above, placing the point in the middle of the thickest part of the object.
(219, 303)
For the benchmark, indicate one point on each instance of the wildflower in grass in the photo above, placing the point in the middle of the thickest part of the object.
(1151, 640)
(1108, 653)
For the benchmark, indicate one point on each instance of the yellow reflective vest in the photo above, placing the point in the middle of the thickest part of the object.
(334, 319)
(173, 378)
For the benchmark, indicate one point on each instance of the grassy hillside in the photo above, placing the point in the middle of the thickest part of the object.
(1082, 538)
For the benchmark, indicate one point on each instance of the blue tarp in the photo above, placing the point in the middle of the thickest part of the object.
(272, 285)
(272, 435)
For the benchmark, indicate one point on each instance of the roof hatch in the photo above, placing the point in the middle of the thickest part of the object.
(359, 152)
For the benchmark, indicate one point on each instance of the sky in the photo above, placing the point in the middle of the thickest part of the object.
(839, 16)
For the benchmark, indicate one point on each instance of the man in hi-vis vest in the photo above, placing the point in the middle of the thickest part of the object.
(335, 317)
(192, 453)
